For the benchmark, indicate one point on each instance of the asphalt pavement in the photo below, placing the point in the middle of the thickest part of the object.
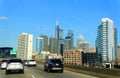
(38, 72)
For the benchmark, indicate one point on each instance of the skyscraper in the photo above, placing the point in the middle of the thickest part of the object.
(45, 42)
(59, 36)
(39, 44)
(106, 42)
(119, 54)
(67, 43)
(25, 46)
(69, 40)
(53, 45)
(81, 44)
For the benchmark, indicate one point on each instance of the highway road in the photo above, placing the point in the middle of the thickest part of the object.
(38, 72)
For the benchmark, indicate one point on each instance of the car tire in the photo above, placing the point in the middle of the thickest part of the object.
(6, 72)
(45, 69)
(61, 71)
(48, 70)
(22, 71)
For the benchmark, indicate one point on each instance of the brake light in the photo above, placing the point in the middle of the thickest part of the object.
(22, 62)
(8, 62)
(51, 63)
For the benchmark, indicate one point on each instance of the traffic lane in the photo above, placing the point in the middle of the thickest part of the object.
(66, 74)
(27, 74)
(38, 72)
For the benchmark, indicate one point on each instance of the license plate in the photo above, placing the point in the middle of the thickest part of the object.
(57, 64)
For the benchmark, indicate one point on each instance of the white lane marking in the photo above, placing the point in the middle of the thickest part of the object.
(33, 76)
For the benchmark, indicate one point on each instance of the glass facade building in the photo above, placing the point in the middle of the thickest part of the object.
(39, 44)
(45, 42)
(106, 42)
(59, 36)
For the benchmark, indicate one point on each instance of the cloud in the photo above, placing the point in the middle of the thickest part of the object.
(3, 18)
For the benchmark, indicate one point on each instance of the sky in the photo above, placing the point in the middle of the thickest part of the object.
(38, 17)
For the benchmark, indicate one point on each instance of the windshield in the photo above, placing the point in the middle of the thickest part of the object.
(4, 60)
(56, 61)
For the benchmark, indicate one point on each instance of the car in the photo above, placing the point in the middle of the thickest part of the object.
(0, 62)
(32, 63)
(25, 62)
(16, 65)
(53, 64)
(4, 63)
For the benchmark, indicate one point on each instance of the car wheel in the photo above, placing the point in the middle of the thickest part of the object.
(61, 71)
(6, 72)
(48, 70)
(22, 71)
(44, 69)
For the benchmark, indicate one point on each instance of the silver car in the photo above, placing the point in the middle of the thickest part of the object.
(16, 65)
(4, 64)
(32, 63)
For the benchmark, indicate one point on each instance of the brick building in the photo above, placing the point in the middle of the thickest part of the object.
(73, 57)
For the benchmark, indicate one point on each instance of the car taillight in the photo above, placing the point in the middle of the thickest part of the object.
(8, 62)
(51, 63)
(22, 62)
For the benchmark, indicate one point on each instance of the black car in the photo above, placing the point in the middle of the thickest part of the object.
(53, 64)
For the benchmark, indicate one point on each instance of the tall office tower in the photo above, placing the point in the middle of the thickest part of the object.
(107, 42)
(81, 44)
(118, 55)
(59, 36)
(116, 45)
(68, 43)
(80, 38)
(25, 46)
(53, 45)
(45, 43)
(39, 44)
(71, 35)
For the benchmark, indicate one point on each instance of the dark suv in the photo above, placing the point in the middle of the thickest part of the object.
(53, 64)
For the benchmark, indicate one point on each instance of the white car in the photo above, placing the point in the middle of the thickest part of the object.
(4, 64)
(32, 63)
(25, 62)
(15, 65)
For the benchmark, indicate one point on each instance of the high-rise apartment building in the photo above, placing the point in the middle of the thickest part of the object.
(45, 42)
(39, 44)
(106, 42)
(25, 46)
(59, 36)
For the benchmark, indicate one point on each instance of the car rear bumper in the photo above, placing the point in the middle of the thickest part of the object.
(3, 66)
(9, 70)
(57, 68)
(31, 64)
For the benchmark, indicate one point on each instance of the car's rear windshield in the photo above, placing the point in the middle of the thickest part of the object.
(56, 61)
(4, 60)
(25, 60)
(15, 60)
(32, 60)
